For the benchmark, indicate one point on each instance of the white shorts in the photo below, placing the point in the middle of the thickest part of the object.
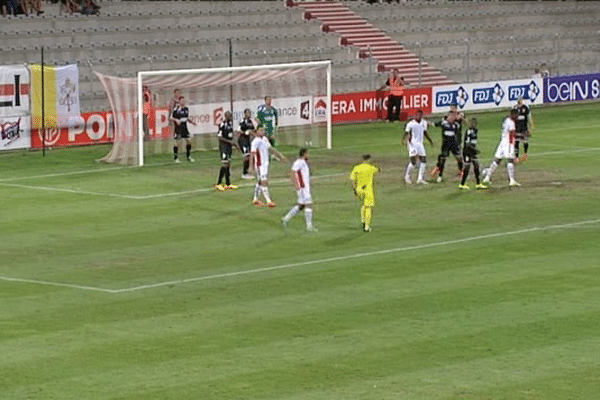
(505, 149)
(416, 149)
(304, 196)
(262, 173)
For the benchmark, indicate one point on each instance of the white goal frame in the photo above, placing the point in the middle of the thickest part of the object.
(142, 74)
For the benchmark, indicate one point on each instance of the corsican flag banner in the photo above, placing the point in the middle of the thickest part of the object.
(14, 90)
(61, 96)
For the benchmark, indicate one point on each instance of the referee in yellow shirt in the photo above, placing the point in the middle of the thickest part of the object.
(362, 177)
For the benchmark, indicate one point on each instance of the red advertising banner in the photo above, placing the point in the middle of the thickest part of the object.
(90, 128)
(368, 106)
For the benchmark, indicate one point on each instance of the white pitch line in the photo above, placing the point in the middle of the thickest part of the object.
(305, 263)
(123, 196)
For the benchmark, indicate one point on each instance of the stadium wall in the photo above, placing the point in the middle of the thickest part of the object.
(97, 127)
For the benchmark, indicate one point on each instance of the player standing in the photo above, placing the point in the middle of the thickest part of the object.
(470, 152)
(244, 139)
(180, 118)
(260, 150)
(362, 178)
(413, 137)
(524, 118)
(226, 144)
(506, 150)
(301, 178)
(451, 132)
(268, 117)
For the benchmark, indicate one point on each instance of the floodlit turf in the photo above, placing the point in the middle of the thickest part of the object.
(145, 283)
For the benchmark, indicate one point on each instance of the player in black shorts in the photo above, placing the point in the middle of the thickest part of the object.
(180, 117)
(470, 152)
(522, 128)
(450, 143)
(226, 144)
(246, 130)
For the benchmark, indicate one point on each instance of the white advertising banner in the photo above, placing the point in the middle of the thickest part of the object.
(487, 95)
(15, 133)
(292, 111)
(14, 90)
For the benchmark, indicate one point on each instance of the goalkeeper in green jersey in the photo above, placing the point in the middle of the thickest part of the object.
(268, 118)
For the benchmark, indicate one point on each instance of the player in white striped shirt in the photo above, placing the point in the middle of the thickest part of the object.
(301, 178)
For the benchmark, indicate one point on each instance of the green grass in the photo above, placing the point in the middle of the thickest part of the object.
(454, 295)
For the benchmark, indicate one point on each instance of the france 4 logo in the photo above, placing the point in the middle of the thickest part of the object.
(457, 97)
(528, 91)
(493, 94)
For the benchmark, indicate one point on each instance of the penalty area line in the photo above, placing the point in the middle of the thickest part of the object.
(303, 263)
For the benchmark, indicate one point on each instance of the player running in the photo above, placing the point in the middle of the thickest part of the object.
(268, 117)
(226, 144)
(470, 152)
(506, 150)
(524, 118)
(180, 117)
(260, 150)
(301, 178)
(362, 178)
(413, 137)
(244, 139)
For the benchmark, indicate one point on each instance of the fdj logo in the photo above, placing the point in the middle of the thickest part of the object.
(493, 94)
(458, 97)
(527, 92)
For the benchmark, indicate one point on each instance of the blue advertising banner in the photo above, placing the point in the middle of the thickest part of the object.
(572, 88)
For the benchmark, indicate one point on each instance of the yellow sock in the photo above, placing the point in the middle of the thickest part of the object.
(362, 214)
(368, 214)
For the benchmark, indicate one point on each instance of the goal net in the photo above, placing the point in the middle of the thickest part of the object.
(301, 93)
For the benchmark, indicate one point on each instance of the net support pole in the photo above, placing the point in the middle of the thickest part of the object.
(140, 131)
(43, 126)
(329, 105)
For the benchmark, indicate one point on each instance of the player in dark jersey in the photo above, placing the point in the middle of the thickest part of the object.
(180, 118)
(522, 128)
(470, 152)
(246, 131)
(226, 143)
(450, 143)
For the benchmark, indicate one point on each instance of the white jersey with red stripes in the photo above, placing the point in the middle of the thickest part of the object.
(300, 169)
(260, 148)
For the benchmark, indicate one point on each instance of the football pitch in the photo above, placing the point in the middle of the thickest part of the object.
(146, 283)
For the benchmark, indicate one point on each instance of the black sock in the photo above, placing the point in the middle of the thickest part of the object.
(525, 147)
(175, 152)
(476, 169)
(465, 173)
(517, 148)
(441, 165)
(246, 166)
(460, 165)
(188, 150)
(227, 175)
(221, 175)
(439, 162)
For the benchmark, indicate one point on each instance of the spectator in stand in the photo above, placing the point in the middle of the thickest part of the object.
(395, 85)
(16, 7)
(90, 8)
(536, 73)
(544, 72)
(35, 5)
(3, 9)
(68, 6)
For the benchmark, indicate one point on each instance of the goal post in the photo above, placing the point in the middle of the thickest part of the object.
(300, 91)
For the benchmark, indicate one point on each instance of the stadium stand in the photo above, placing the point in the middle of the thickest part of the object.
(505, 39)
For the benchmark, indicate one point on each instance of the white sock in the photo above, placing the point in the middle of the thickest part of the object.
(265, 192)
(291, 213)
(409, 169)
(308, 212)
(510, 167)
(421, 171)
(256, 192)
(491, 170)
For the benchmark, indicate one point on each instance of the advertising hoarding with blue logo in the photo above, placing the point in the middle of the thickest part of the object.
(572, 88)
(487, 95)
